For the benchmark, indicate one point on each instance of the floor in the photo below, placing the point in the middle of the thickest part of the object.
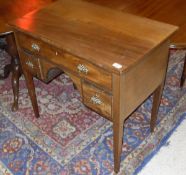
(160, 167)
(171, 158)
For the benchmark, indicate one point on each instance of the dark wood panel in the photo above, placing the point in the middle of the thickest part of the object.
(172, 12)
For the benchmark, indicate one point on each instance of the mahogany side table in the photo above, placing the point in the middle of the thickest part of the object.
(111, 56)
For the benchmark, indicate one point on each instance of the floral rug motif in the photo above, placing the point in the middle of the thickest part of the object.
(69, 138)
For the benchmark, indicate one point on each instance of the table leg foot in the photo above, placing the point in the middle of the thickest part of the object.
(118, 142)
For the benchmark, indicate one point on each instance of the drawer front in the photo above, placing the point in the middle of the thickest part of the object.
(97, 100)
(30, 63)
(36, 46)
(88, 71)
(67, 61)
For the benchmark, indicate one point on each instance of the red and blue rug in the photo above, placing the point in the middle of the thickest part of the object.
(70, 139)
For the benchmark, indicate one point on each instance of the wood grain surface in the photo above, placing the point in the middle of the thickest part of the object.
(96, 33)
(116, 59)
(171, 12)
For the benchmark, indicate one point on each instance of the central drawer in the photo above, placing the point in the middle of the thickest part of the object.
(66, 61)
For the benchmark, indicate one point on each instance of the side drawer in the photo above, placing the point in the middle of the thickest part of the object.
(97, 99)
(39, 67)
(35, 46)
(30, 63)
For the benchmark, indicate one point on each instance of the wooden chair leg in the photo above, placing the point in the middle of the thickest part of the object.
(181, 47)
(183, 77)
(16, 73)
(14, 67)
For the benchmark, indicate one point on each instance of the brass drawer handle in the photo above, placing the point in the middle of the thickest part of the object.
(96, 100)
(82, 68)
(30, 64)
(35, 47)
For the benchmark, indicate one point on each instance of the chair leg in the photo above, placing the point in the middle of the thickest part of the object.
(183, 77)
(15, 68)
(180, 47)
(16, 73)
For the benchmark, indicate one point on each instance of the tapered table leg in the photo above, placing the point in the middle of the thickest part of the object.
(118, 124)
(31, 91)
(118, 142)
(155, 106)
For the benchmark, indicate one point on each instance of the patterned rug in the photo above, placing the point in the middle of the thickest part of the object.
(69, 138)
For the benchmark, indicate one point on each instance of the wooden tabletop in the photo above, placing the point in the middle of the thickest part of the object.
(168, 11)
(172, 12)
(12, 9)
(101, 35)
